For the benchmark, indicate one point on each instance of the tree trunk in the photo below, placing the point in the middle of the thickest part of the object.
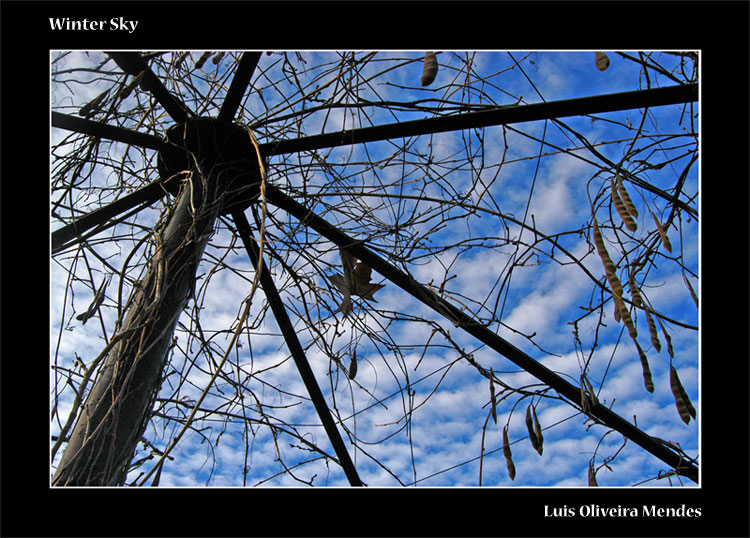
(116, 411)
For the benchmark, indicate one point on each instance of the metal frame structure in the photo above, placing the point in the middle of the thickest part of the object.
(186, 248)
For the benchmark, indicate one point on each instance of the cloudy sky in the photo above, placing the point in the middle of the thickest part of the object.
(419, 407)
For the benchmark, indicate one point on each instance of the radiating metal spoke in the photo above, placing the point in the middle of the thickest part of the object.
(238, 87)
(103, 217)
(470, 325)
(102, 130)
(596, 104)
(295, 348)
(134, 64)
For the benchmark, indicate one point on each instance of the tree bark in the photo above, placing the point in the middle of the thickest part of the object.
(116, 412)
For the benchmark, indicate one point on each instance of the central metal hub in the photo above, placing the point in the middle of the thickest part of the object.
(222, 151)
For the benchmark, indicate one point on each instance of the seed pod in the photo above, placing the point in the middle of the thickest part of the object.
(663, 235)
(627, 320)
(592, 394)
(430, 69)
(538, 430)
(584, 400)
(602, 60)
(620, 207)
(635, 294)
(95, 304)
(180, 59)
(670, 349)
(93, 106)
(592, 476)
(530, 428)
(684, 407)
(353, 365)
(609, 266)
(203, 59)
(692, 291)
(652, 331)
(629, 205)
(647, 379)
(127, 90)
(508, 455)
(492, 398)
(216, 59)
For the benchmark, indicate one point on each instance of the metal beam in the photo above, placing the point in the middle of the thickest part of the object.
(134, 64)
(103, 217)
(295, 348)
(237, 88)
(102, 130)
(479, 331)
(503, 115)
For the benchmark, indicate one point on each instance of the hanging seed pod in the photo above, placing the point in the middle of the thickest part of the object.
(629, 205)
(680, 397)
(670, 349)
(621, 210)
(627, 320)
(618, 306)
(492, 398)
(180, 59)
(530, 428)
(635, 294)
(592, 476)
(127, 90)
(602, 60)
(664, 239)
(217, 58)
(508, 455)
(647, 379)
(652, 331)
(353, 365)
(95, 304)
(538, 431)
(93, 106)
(585, 403)
(592, 394)
(430, 69)
(692, 291)
(609, 266)
(203, 59)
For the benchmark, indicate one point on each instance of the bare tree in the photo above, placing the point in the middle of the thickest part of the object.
(350, 207)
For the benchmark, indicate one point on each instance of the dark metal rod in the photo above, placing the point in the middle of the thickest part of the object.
(479, 331)
(295, 348)
(596, 104)
(145, 196)
(102, 130)
(134, 64)
(237, 88)
(512, 114)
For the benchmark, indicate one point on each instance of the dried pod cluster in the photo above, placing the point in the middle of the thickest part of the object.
(534, 429)
(621, 208)
(621, 310)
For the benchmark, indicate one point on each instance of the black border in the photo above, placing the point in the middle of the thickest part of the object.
(29, 508)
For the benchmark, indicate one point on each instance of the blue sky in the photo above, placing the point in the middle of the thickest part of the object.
(418, 409)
